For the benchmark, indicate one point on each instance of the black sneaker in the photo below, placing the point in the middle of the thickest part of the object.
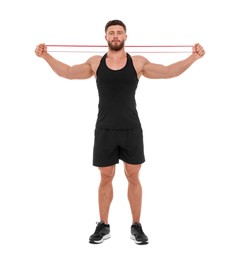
(101, 233)
(138, 235)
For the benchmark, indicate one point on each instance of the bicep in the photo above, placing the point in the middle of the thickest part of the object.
(80, 71)
(156, 71)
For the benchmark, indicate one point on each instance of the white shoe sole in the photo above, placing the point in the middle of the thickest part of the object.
(138, 242)
(103, 238)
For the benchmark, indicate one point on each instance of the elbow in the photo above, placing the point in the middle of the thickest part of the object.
(171, 73)
(65, 74)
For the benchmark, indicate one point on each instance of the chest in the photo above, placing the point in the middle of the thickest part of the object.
(116, 64)
(119, 79)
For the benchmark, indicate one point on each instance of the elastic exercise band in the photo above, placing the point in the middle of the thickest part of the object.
(56, 48)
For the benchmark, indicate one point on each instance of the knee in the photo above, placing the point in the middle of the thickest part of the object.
(107, 173)
(132, 173)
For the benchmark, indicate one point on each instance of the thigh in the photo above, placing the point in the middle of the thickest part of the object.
(105, 151)
(107, 171)
(132, 147)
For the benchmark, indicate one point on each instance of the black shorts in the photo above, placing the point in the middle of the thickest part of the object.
(112, 145)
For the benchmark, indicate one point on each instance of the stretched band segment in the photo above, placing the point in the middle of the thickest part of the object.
(87, 48)
(132, 46)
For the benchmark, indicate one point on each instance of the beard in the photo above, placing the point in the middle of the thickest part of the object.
(116, 47)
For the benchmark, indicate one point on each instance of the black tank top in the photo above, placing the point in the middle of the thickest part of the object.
(116, 90)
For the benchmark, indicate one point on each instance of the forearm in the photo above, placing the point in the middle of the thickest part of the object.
(179, 67)
(60, 68)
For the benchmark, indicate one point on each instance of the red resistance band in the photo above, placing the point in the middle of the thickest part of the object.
(130, 48)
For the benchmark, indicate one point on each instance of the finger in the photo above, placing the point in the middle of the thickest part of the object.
(38, 50)
(201, 51)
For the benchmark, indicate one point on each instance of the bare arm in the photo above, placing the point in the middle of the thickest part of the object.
(158, 71)
(80, 71)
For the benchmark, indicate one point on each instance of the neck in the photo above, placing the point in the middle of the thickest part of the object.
(116, 55)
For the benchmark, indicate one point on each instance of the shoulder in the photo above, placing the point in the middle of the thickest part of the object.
(94, 62)
(94, 59)
(139, 60)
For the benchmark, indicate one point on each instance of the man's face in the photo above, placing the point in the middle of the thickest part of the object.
(115, 37)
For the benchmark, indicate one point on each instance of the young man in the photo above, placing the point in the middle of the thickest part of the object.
(118, 133)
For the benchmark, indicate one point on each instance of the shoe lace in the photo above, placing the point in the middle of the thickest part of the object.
(99, 226)
(139, 229)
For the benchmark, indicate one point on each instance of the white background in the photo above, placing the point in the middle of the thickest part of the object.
(48, 186)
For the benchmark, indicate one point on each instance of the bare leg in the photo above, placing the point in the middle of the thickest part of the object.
(105, 191)
(134, 190)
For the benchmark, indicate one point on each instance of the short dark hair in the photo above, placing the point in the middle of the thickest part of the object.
(115, 22)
